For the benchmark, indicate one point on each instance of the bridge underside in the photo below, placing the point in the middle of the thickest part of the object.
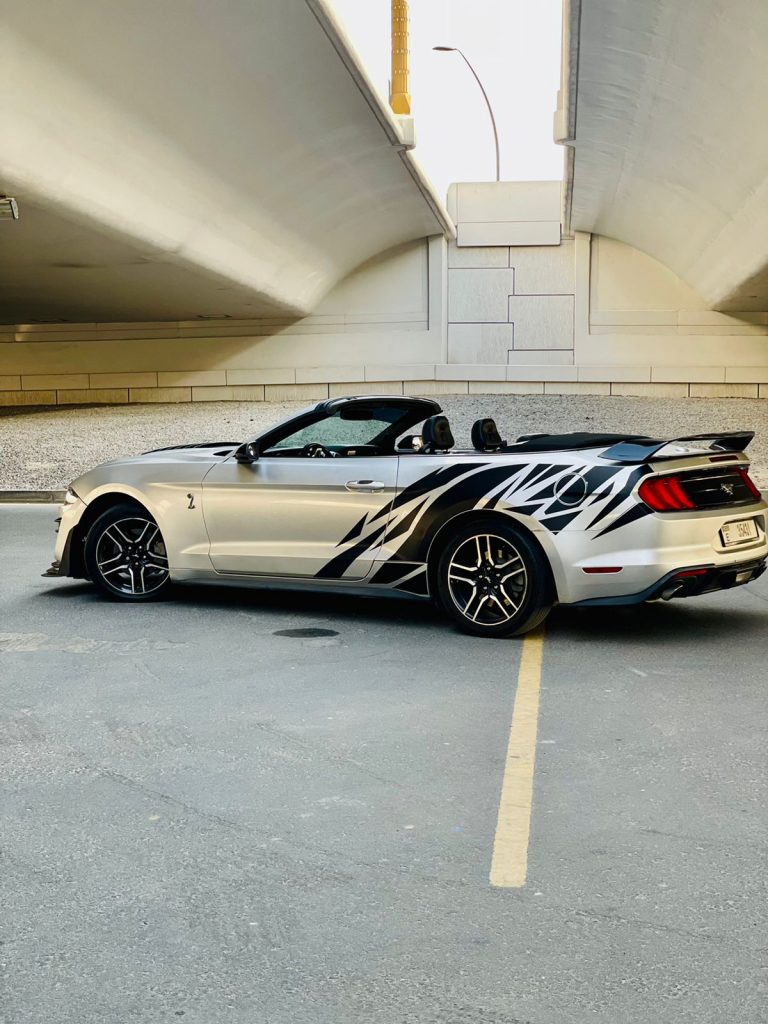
(666, 104)
(190, 159)
(54, 267)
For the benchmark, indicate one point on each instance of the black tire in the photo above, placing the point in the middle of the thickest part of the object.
(493, 580)
(125, 555)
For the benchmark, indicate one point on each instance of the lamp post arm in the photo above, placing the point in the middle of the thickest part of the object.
(490, 111)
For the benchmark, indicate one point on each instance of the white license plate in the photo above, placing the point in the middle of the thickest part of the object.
(738, 532)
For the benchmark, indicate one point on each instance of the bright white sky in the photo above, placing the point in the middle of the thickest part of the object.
(514, 46)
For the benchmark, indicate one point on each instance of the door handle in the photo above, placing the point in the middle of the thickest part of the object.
(365, 485)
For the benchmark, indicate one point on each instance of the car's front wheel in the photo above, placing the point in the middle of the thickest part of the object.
(125, 554)
(494, 581)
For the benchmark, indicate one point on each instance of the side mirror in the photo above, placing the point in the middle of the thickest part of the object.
(410, 443)
(248, 453)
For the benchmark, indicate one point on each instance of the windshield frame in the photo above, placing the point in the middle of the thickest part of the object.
(415, 410)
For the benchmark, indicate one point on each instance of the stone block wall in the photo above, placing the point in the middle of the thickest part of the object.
(585, 315)
(593, 316)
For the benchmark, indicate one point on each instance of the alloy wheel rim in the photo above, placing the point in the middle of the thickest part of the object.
(131, 556)
(487, 579)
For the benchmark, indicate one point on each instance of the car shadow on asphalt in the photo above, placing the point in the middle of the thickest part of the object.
(661, 622)
(666, 623)
(327, 605)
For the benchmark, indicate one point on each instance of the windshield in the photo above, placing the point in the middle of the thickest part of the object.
(336, 431)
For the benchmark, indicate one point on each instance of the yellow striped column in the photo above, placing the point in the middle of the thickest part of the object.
(400, 98)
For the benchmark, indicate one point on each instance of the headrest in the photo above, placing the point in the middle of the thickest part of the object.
(485, 436)
(437, 434)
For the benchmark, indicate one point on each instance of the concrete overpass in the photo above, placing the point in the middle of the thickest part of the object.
(664, 109)
(216, 204)
(191, 159)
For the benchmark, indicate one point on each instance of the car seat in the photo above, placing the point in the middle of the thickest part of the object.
(437, 435)
(486, 437)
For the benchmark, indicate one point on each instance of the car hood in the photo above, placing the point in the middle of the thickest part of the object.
(176, 464)
(220, 449)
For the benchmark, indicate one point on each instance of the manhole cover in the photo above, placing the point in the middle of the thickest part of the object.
(305, 634)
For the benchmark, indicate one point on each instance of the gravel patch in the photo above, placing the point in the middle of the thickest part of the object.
(46, 448)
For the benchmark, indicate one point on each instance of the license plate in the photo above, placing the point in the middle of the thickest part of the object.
(738, 532)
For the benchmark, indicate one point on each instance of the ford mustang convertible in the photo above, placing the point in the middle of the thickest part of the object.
(370, 494)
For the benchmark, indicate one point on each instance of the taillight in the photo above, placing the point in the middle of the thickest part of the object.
(696, 490)
(664, 494)
(750, 483)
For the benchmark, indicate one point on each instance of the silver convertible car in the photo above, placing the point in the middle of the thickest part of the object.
(370, 493)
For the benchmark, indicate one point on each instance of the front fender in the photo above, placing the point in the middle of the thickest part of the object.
(176, 507)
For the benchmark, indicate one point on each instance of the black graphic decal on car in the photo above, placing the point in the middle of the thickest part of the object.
(556, 495)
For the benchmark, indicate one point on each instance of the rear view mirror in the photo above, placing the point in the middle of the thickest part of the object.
(248, 453)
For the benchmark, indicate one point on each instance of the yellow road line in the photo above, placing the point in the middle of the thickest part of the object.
(509, 865)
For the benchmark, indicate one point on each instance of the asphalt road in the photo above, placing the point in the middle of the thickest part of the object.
(204, 820)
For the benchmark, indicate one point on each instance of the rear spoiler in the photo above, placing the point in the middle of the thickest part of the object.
(645, 449)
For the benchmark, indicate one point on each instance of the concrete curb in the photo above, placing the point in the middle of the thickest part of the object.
(32, 497)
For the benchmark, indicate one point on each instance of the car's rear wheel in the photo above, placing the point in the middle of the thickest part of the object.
(493, 580)
(125, 554)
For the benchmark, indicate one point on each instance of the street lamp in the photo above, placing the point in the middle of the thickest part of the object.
(455, 49)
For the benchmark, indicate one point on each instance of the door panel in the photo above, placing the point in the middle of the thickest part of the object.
(287, 516)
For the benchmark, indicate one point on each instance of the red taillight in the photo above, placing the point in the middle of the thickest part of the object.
(664, 494)
(679, 492)
(691, 572)
(749, 483)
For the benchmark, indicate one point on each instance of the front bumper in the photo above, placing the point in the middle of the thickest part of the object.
(70, 513)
